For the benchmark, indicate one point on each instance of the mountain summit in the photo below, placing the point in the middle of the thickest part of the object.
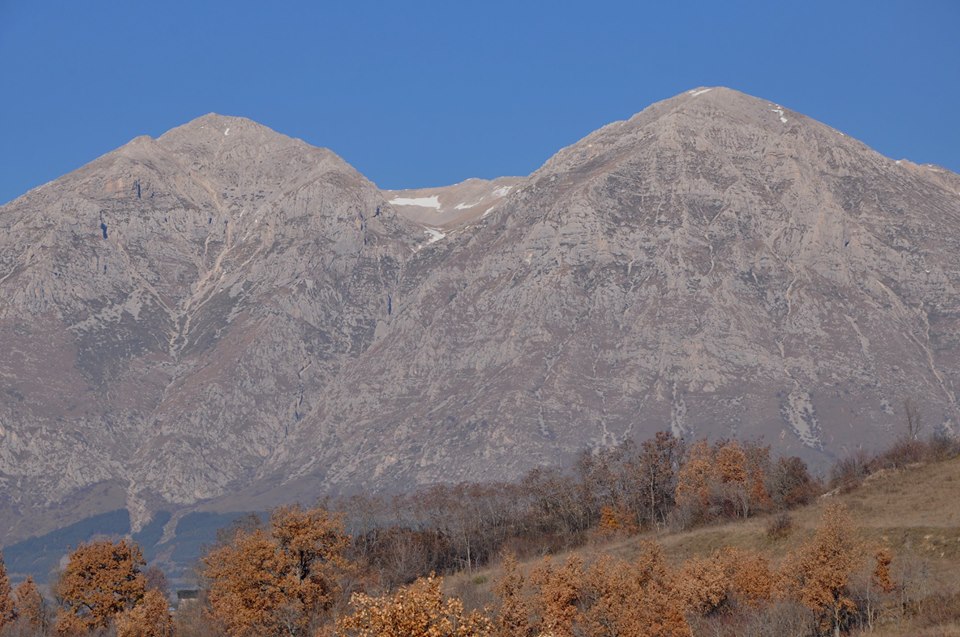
(224, 318)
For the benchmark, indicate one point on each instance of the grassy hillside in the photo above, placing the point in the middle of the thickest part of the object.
(914, 511)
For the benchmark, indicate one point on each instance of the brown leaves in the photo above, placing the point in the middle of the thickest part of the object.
(880, 578)
(28, 605)
(6, 601)
(149, 618)
(513, 614)
(418, 610)
(695, 476)
(607, 598)
(101, 580)
(277, 581)
(818, 573)
(702, 584)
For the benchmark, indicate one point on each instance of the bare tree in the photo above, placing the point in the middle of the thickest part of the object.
(914, 421)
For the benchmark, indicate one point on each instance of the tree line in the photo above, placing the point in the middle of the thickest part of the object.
(373, 570)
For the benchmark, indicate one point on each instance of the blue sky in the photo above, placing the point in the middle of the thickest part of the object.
(430, 93)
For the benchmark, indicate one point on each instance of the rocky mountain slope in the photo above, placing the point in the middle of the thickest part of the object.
(225, 318)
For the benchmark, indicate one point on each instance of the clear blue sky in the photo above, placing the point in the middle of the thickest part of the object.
(430, 93)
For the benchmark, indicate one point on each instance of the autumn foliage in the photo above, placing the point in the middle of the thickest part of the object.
(417, 610)
(725, 480)
(301, 575)
(149, 618)
(29, 608)
(101, 580)
(6, 599)
(278, 580)
(818, 573)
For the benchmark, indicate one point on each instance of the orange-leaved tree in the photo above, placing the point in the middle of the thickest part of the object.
(513, 612)
(101, 580)
(149, 618)
(277, 581)
(818, 573)
(609, 597)
(702, 584)
(28, 606)
(558, 593)
(417, 610)
(694, 480)
(6, 600)
(751, 580)
(880, 577)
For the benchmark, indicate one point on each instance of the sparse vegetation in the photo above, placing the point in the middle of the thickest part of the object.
(651, 539)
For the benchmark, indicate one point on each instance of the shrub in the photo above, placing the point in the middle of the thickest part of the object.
(849, 472)
(779, 526)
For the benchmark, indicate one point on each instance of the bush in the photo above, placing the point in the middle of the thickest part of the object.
(849, 472)
(780, 526)
(904, 451)
(791, 484)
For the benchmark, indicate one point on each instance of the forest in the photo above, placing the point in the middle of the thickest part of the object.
(368, 565)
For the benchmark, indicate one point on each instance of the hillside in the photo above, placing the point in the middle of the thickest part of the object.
(913, 511)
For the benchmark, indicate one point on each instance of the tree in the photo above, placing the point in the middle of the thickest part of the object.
(658, 464)
(277, 581)
(791, 484)
(101, 580)
(558, 591)
(609, 598)
(513, 614)
(149, 618)
(6, 600)
(758, 471)
(880, 578)
(29, 607)
(750, 577)
(694, 479)
(703, 584)
(728, 487)
(418, 610)
(818, 573)
(914, 421)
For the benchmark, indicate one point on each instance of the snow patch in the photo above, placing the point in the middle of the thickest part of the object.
(779, 111)
(502, 191)
(467, 206)
(435, 235)
(424, 202)
(226, 132)
(696, 92)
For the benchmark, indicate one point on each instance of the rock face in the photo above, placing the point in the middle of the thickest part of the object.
(226, 318)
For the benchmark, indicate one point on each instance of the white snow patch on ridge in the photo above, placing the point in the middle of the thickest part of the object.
(779, 111)
(502, 191)
(466, 206)
(424, 202)
(435, 235)
(696, 92)
(226, 132)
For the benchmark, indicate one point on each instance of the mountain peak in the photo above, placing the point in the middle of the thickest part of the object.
(218, 131)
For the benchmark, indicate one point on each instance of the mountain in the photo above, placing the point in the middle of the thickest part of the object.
(224, 318)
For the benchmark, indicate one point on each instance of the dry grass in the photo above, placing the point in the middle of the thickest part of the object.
(914, 511)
